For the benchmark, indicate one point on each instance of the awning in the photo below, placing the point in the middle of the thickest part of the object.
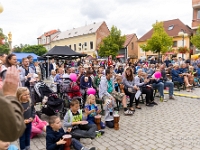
(120, 56)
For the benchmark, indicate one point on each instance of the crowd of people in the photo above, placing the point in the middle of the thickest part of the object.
(113, 81)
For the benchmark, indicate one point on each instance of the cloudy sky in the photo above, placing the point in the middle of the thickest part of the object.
(28, 19)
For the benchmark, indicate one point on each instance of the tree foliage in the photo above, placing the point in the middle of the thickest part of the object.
(37, 49)
(112, 43)
(4, 46)
(195, 40)
(19, 49)
(160, 41)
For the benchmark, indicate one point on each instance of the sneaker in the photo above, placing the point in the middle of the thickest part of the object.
(86, 141)
(128, 112)
(149, 105)
(172, 97)
(161, 99)
(100, 131)
(164, 100)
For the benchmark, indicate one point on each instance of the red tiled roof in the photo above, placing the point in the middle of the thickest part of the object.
(129, 37)
(177, 27)
(48, 33)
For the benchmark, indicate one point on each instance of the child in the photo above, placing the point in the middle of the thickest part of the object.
(74, 119)
(23, 96)
(54, 135)
(7, 146)
(91, 110)
(109, 109)
(38, 126)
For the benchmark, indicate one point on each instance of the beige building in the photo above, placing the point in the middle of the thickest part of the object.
(84, 39)
(47, 37)
(172, 28)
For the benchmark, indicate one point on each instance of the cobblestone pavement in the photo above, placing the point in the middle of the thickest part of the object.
(172, 125)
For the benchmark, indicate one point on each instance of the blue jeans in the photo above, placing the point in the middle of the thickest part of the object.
(24, 140)
(76, 144)
(171, 87)
(160, 87)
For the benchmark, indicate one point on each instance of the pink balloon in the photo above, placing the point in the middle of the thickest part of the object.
(157, 75)
(73, 77)
(91, 91)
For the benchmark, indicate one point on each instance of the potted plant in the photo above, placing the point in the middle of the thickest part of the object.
(183, 50)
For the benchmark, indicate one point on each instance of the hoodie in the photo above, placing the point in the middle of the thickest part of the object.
(103, 87)
(52, 137)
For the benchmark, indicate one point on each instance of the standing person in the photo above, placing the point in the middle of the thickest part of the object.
(110, 62)
(38, 70)
(23, 96)
(11, 60)
(81, 72)
(12, 120)
(31, 64)
(26, 73)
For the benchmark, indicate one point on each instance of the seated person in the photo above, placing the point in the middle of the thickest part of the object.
(38, 126)
(97, 80)
(7, 146)
(74, 119)
(55, 132)
(181, 75)
(107, 91)
(143, 83)
(85, 83)
(92, 110)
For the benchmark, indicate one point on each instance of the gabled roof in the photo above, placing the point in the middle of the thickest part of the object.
(176, 26)
(49, 33)
(84, 30)
(129, 37)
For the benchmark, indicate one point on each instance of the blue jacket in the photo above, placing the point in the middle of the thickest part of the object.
(84, 84)
(52, 137)
(198, 71)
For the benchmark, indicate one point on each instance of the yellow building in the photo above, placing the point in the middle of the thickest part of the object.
(174, 28)
(84, 39)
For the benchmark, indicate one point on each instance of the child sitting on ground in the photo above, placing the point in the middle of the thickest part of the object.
(92, 110)
(80, 129)
(109, 109)
(55, 132)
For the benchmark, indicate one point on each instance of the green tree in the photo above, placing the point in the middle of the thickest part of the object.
(160, 41)
(37, 49)
(195, 40)
(19, 49)
(4, 47)
(112, 43)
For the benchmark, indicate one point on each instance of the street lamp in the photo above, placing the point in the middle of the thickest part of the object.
(1, 8)
(183, 35)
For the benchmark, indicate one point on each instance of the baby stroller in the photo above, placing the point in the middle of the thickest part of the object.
(70, 90)
(50, 103)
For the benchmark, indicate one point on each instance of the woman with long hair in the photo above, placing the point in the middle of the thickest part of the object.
(11, 60)
(130, 87)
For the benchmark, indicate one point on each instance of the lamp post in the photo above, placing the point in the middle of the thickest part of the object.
(183, 35)
(1, 8)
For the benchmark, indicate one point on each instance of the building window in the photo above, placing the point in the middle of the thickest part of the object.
(74, 47)
(91, 45)
(198, 14)
(79, 48)
(132, 46)
(69, 46)
(174, 43)
(170, 27)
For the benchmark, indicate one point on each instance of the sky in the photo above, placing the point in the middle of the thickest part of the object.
(28, 19)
